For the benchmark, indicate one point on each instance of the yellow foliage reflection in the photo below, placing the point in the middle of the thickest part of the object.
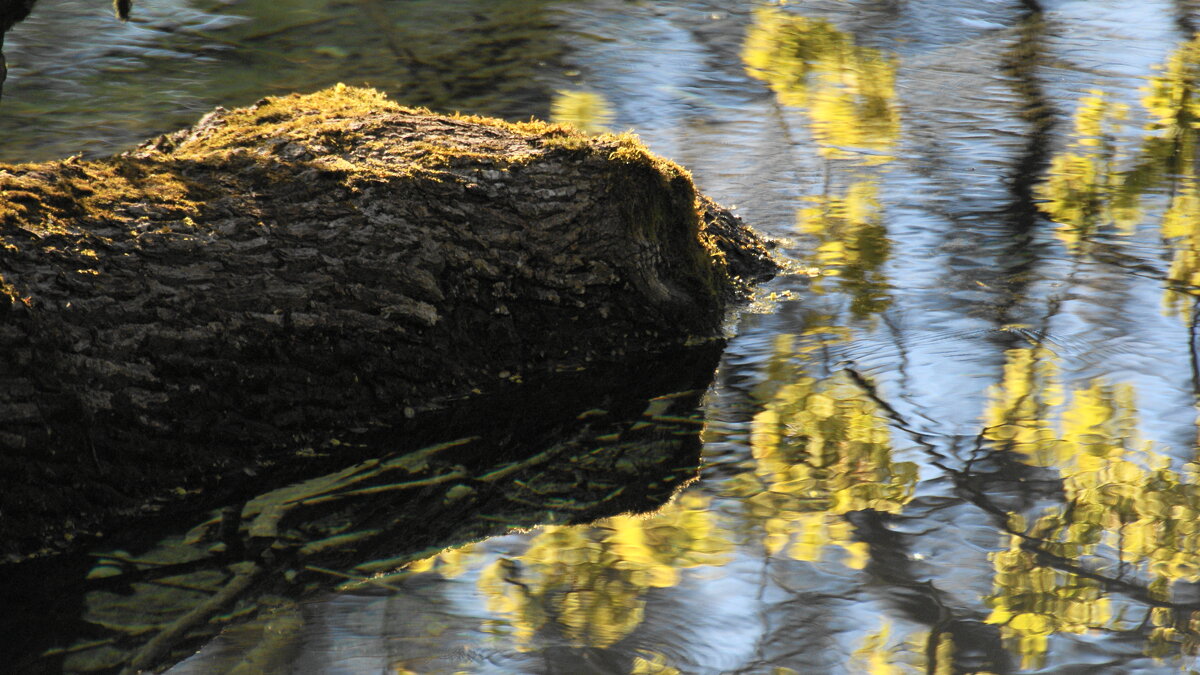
(588, 111)
(1172, 102)
(1033, 601)
(1085, 187)
(449, 563)
(1168, 155)
(848, 90)
(1021, 408)
(879, 655)
(1125, 511)
(1093, 183)
(1181, 227)
(590, 582)
(852, 245)
(822, 449)
(652, 663)
(848, 95)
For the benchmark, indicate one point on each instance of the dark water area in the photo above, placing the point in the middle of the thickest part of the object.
(959, 436)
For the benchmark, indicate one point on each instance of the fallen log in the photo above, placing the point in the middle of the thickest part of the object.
(311, 267)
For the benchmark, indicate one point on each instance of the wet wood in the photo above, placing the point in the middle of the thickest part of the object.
(293, 274)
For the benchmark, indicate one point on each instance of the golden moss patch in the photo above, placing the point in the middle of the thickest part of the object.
(299, 117)
(319, 123)
(52, 198)
(356, 132)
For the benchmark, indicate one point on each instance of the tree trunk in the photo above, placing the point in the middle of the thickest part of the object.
(313, 267)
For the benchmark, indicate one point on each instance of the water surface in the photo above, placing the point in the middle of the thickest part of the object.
(959, 437)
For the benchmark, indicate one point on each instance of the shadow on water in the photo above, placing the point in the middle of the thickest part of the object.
(582, 448)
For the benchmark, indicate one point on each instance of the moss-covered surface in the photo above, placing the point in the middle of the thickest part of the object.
(339, 130)
(280, 276)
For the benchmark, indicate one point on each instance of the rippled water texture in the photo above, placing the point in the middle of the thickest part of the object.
(960, 437)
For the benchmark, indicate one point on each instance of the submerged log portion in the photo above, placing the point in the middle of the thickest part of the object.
(282, 276)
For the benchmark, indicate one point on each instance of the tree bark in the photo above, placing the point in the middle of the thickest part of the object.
(318, 266)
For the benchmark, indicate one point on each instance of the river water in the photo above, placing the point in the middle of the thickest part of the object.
(959, 436)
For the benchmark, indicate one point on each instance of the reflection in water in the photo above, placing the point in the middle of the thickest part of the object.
(847, 90)
(374, 523)
(1127, 517)
(853, 245)
(968, 447)
(79, 81)
(822, 449)
(1098, 182)
(1085, 189)
(588, 584)
(1173, 106)
(848, 98)
(586, 110)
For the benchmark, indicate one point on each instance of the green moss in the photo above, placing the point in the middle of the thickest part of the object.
(87, 191)
(627, 147)
(296, 116)
(344, 129)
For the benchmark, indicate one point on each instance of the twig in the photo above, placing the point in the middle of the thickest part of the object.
(162, 643)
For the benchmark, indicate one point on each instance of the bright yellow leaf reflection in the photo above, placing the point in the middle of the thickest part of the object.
(1126, 513)
(1032, 601)
(1181, 227)
(919, 652)
(848, 95)
(848, 91)
(852, 245)
(1169, 152)
(1172, 102)
(589, 582)
(652, 663)
(449, 563)
(822, 449)
(1093, 183)
(587, 110)
(1085, 189)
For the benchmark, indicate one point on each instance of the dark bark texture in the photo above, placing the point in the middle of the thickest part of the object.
(146, 599)
(320, 266)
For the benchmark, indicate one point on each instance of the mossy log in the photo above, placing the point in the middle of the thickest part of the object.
(314, 266)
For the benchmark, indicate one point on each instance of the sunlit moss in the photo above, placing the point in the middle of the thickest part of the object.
(343, 131)
(87, 191)
(321, 118)
(847, 90)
